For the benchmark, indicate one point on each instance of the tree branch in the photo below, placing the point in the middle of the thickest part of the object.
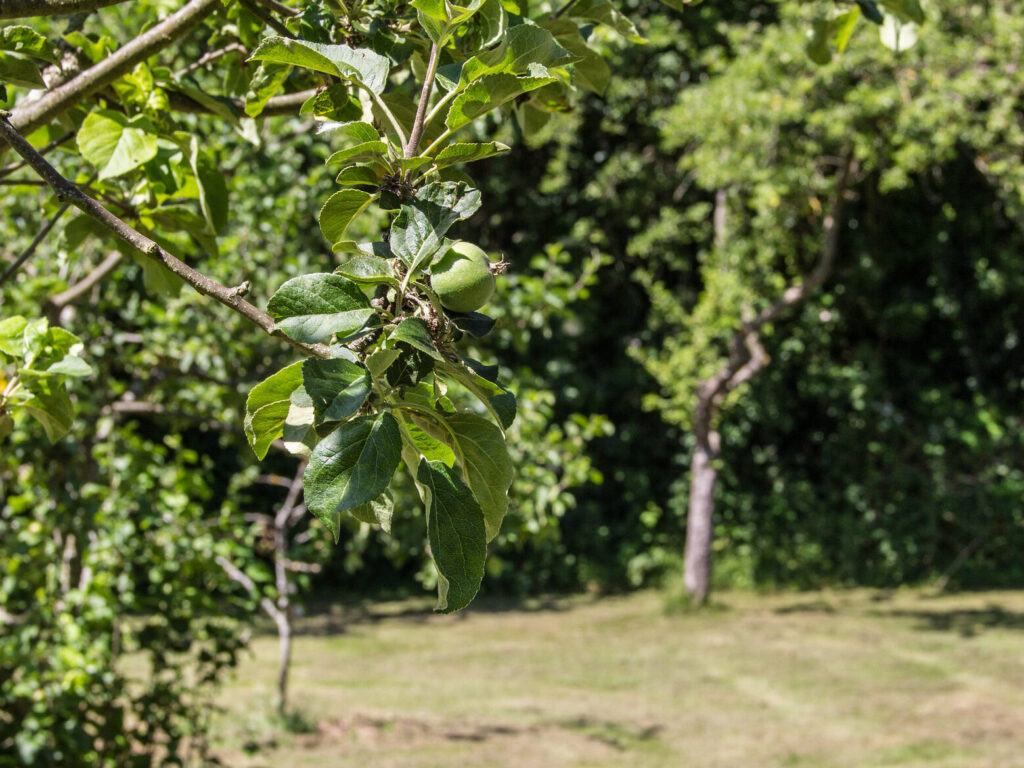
(207, 57)
(19, 9)
(68, 192)
(27, 253)
(267, 19)
(72, 293)
(421, 109)
(39, 112)
(238, 576)
(8, 170)
(746, 354)
(286, 104)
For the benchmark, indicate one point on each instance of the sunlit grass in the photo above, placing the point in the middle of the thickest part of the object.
(829, 680)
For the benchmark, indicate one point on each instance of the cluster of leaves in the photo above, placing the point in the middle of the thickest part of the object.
(382, 396)
(37, 362)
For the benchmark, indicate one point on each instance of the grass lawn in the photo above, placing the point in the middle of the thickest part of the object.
(823, 680)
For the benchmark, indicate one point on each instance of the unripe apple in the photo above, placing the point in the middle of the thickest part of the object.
(462, 278)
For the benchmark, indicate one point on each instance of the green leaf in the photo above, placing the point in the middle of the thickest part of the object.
(351, 466)
(490, 92)
(603, 12)
(417, 230)
(15, 70)
(12, 331)
(499, 401)
(368, 269)
(6, 427)
(337, 387)
(476, 324)
(525, 45)
(907, 10)
(368, 150)
(265, 84)
(454, 154)
(213, 190)
(359, 130)
(486, 463)
(299, 436)
(590, 70)
(361, 64)
(381, 360)
(340, 211)
(70, 365)
(844, 24)
(358, 175)
(870, 11)
(311, 308)
(115, 144)
(455, 530)
(266, 408)
(817, 47)
(415, 332)
(423, 442)
(336, 102)
(28, 42)
(50, 406)
(376, 512)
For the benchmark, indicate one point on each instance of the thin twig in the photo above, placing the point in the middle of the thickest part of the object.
(421, 109)
(286, 104)
(279, 7)
(207, 57)
(266, 18)
(27, 253)
(8, 170)
(72, 293)
(563, 10)
(66, 191)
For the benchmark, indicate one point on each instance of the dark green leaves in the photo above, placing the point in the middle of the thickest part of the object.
(368, 269)
(486, 463)
(351, 466)
(312, 308)
(266, 408)
(455, 530)
(337, 387)
(361, 65)
(417, 231)
(414, 332)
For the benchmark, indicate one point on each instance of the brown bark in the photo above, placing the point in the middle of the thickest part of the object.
(746, 358)
(31, 115)
(20, 9)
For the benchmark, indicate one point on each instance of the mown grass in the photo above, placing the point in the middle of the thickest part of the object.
(822, 680)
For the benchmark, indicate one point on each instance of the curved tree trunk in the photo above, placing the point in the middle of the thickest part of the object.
(746, 358)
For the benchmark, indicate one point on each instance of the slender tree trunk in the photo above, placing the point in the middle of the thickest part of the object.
(700, 523)
(284, 656)
(746, 358)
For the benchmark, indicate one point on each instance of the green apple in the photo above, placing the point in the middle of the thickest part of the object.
(462, 278)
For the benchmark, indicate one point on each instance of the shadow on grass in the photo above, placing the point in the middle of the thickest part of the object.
(321, 619)
(965, 621)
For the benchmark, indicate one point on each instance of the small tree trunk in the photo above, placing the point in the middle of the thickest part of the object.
(284, 658)
(700, 522)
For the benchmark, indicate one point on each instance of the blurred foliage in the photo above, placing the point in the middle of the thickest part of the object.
(881, 441)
